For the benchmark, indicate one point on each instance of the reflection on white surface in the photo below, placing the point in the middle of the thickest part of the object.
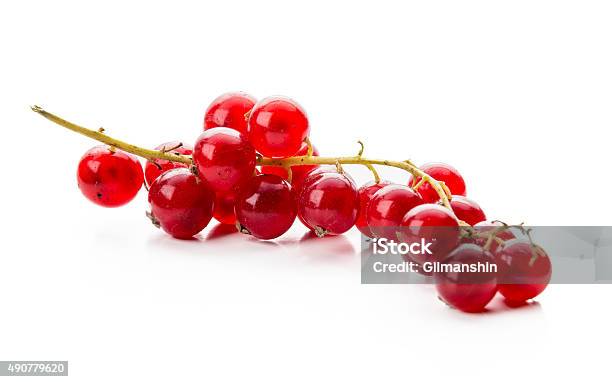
(224, 239)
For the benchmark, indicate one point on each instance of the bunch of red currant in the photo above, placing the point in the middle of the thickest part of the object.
(254, 166)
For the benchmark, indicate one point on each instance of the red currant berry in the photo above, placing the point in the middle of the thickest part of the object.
(467, 210)
(434, 224)
(310, 177)
(229, 110)
(328, 203)
(109, 177)
(156, 167)
(388, 207)
(275, 170)
(224, 158)
(465, 290)
(485, 228)
(524, 270)
(181, 203)
(265, 207)
(224, 208)
(366, 193)
(443, 173)
(277, 127)
(298, 173)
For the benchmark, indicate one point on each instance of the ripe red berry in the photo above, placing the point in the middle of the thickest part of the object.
(298, 173)
(229, 110)
(366, 193)
(156, 167)
(181, 203)
(224, 208)
(109, 177)
(277, 127)
(275, 170)
(467, 291)
(434, 224)
(485, 228)
(443, 173)
(524, 270)
(297, 187)
(328, 203)
(467, 210)
(388, 207)
(224, 158)
(265, 207)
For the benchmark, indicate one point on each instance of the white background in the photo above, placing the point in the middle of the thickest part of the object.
(516, 95)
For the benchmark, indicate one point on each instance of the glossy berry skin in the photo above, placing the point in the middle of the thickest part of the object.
(224, 158)
(467, 210)
(467, 291)
(388, 207)
(229, 110)
(277, 127)
(433, 223)
(309, 178)
(524, 271)
(328, 203)
(109, 178)
(444, 173)
(298, 173)
(181, 203)
(224, 208)
(366, 193)
(155, 168)
(265, 207)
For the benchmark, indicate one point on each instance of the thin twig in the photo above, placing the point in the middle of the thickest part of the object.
(283, 162)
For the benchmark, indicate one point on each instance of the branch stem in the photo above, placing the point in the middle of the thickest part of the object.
(284, 162)
(409, 167)
(116, 143)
